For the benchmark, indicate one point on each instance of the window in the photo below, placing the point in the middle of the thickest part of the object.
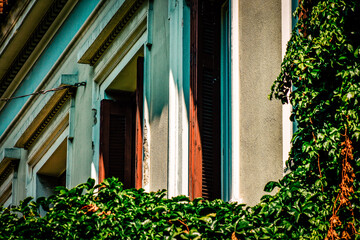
(52, 173)
(47, 164)
(121, 126)
(205, 96)
(225, 83)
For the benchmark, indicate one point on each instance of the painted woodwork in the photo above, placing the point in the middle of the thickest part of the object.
(205, 100)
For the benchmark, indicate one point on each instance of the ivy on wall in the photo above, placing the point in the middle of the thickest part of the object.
(318, 199)
(320, 77)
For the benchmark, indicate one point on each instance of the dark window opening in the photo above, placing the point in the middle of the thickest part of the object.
(121, 133)
(205, 145)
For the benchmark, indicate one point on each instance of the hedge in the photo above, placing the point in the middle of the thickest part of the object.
(317, 199)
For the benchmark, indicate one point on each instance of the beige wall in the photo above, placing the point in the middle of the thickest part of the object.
(260, 119)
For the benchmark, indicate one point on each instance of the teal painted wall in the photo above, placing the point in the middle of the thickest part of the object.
(46, 61)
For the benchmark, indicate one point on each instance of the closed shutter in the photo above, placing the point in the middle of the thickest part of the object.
(116, 142)
(205, 102)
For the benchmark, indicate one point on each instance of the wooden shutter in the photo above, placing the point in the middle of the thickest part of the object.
(139, 122)
(121, 134)
(116, 142)
(205, 155)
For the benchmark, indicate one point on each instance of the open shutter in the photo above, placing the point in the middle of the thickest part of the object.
(121, 134)
(139, 122)
(116, 142)
(205, 157)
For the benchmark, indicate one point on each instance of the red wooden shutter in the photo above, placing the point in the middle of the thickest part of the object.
(205, 157)
(116, 142)
(139, 122)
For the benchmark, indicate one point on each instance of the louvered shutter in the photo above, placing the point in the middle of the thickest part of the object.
(139, 122)
(205, 94)
(116, 142)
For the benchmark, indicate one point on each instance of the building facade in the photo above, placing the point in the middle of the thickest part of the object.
(164, 94)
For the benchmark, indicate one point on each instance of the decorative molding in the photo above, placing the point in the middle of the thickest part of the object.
(31, 44)
(116, 31)
(48, 118)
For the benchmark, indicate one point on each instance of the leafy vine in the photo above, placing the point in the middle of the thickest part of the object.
(320, 78)
(318, 199)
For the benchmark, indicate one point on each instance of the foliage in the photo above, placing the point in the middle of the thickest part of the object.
(111, 212)
(317, 199)
(320, 77)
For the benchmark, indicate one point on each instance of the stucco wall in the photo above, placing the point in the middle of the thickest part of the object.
(80, 150)
(159, 97)
(260, 119)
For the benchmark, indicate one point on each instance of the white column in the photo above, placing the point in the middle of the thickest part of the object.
(178, 119)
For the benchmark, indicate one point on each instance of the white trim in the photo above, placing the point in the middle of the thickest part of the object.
(121, 45)
(7, 190)
(98, 93)
(34, 168)
(287, 125)
(146, 180)
(235, 102)
(49, 135)
(95, 131)
(102, 18)
(115, 72)
(178, 172)
(8, 202)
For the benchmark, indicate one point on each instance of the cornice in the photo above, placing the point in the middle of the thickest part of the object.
(68, 93)
(31, 44)
(8, 170)
(116, 31)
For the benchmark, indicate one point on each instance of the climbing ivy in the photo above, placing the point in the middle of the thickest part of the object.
(320, 77)
(317, 199)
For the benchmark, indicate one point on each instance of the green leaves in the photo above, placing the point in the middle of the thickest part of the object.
(320, 77)
(321, 72)
(109, 211)
(269, 187)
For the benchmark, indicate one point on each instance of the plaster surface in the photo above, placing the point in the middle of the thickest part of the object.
(260, 119)
(159, 92)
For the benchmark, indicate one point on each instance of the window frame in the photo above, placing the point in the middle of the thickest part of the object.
(34, 166)
(137, 47)
(225, 108)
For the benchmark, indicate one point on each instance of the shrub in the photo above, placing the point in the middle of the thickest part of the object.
(319, 198)
(107, 211)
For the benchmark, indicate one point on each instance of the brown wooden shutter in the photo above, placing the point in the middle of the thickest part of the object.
(116, 142)
(205, 162)
(121, 134)
(139, 122)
